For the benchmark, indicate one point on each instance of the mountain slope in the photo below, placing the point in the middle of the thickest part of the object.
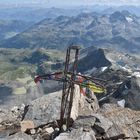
(19, 63)
(9, 28)
(35, 14)
(96, 61)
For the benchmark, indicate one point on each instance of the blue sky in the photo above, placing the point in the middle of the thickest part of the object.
(72, 2)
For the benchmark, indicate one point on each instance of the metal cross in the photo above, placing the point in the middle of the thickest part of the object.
(68, 85)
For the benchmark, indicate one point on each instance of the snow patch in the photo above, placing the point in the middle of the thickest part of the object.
(137, 74)
(129, 19)
(121, 103)
(119, 83)
(126, 69)
(126, 87)
(103, 69)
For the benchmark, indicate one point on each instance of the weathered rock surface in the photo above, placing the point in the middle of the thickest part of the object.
(77, 134)
(128, 91)
(102, 124)
(127, 120)
(84, 121)
(25, 125)
(9, 121)
(19, 136)
(132, 94)
(121, 86)
(110, 122)
(47, 108)
(7, 115)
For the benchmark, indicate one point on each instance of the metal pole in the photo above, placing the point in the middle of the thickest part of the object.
(72, 87)
(64, 92)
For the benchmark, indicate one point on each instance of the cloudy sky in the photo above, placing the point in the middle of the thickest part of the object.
(72, 2)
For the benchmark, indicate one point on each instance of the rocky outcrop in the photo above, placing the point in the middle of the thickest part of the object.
(45, 109)
(109, 123)
(93, 59)
(40, 120)
(41, 110)
(126, 91)
(77, 134)
(20, 136)
(132, 94)
(127, 120)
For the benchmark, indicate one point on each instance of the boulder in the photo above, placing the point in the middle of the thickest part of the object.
(77, 134)
(8, 116)
(28, 124)
(81, 106)
(102, 124)
(9, 122)
(32, 131)
(84, 121)
(49, 130)
(19, 136)
(115, 132)
(47, 108)
(131, 95)
(126, 92)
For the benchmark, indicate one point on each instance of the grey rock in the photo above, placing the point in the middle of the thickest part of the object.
(76, 134)
(10, 128)
(124, 118)
(45, 109)
(115, 132)
(49, 130)
(32, 131)
(102, 124)
(64, 127)
(8, 116)
(39, 130)
(128, 89)
(19, 136)
(132, 97)
(85, 122)
(86, 108)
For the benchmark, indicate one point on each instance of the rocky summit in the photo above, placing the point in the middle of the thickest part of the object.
(112, 115)
(39, 120)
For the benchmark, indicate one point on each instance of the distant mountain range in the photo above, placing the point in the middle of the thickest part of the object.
(9, 28)
(37, 13)
(132, 9)
(117, 30)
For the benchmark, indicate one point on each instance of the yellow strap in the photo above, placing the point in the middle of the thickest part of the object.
(96, 89)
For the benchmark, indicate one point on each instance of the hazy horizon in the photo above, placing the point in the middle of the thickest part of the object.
(59, 3)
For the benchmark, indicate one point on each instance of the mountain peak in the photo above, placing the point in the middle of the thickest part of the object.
(117, 16)
(126, 13)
